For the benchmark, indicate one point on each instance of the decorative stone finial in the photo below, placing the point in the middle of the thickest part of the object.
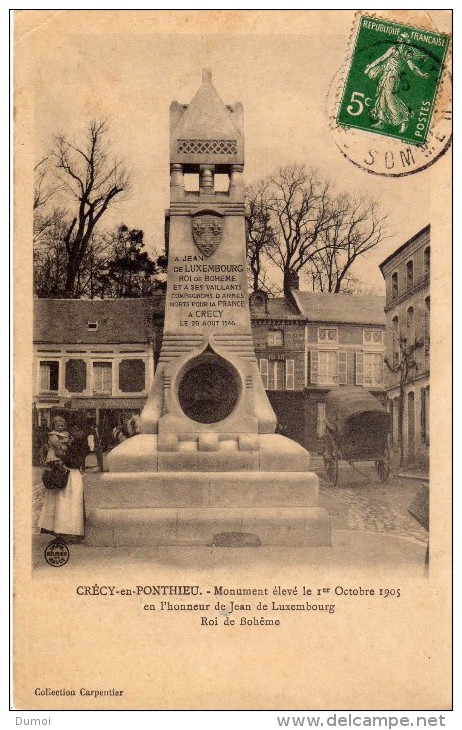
(206, 74)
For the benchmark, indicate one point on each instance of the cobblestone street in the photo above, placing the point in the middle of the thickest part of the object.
(360, 501)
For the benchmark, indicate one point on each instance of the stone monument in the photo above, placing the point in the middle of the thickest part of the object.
(207, 460)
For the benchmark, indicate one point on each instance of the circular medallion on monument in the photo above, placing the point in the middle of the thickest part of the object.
(209, 390)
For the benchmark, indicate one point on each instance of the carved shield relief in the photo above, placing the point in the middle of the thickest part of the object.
(206, 230)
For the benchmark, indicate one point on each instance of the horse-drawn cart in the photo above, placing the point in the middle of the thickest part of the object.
(357, 428)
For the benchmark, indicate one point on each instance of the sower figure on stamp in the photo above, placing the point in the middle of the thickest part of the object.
(388, 107)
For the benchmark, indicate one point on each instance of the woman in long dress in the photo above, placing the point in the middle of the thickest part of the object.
(63, 509)
(388, 107)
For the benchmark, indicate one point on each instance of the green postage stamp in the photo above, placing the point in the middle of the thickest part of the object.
(393, 80)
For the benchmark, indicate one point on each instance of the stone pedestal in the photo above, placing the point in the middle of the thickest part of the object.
(207, 460)
(259, 485)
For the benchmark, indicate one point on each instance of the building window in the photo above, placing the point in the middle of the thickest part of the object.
(427, 261)
(276, 375)
(427, 326)
(264, 372)
(75, 376)
(92, 326)
(275, 338)
(102, 372)
(321, 421)
(132, 376)
(394, 285)
(372, 368)
(49, 376)
(373, 337)
(410, 327)
(409, 274)
(328, 335)
(395, 341)
(327, 367)
(290, 375)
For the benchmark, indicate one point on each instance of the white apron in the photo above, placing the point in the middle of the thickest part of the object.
(62, 511)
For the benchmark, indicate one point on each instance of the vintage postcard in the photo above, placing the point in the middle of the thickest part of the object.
(232, 248)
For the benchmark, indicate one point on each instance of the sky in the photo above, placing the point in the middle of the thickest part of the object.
(130, 72)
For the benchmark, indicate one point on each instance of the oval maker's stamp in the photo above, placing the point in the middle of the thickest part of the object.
(390, 105)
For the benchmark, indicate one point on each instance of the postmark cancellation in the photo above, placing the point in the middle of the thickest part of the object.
(390, 105)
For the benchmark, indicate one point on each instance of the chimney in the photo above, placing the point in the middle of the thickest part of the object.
(293, 280)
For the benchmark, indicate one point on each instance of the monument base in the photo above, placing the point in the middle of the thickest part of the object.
(151, 526)
(182, 497)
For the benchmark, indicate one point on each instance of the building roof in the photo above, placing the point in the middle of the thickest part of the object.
(65, 321)
(276, 308)
(341, 308)
(403, 246)
(118, 320)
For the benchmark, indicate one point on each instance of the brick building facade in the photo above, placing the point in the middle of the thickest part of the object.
(96, 356)
(407, 277)
(99, 356)
(311, 342)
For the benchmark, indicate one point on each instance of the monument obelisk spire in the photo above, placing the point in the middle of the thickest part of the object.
(207, 461)
(207, 326)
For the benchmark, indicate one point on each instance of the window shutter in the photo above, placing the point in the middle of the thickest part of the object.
(102, 377)
(132, 376)
(359, 368)
(75, 376)
(49, 375)
(264, 372)
(314, 366)
(290, 371)
(44, 377)
(108, 379)
(342, 367)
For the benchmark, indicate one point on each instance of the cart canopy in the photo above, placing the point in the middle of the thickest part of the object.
(353, 405)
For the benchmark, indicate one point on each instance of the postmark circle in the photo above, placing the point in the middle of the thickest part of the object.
(387, 156)
(389, 106)
(56, 554)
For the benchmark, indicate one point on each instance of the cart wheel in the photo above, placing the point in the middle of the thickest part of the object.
(332, 468)
(383, 470)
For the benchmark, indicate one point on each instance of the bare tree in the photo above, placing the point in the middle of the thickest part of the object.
(404, 363)
(93, 180)
(260, 235)
(44, 186)
(355, 227)
(295, 202)
(298, 223)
